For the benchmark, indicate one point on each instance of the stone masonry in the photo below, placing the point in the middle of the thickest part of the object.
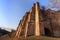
(38, 22)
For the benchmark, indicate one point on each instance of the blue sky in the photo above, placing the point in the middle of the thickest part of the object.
(11, 11)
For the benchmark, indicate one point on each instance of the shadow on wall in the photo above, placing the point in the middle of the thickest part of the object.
(47, 32)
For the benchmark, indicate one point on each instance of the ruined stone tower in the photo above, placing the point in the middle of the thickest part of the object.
(29, 24)
(37, 22)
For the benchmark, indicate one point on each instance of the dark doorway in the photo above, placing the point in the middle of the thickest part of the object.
(47, 32)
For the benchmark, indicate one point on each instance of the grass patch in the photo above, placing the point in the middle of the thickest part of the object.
(6, 37)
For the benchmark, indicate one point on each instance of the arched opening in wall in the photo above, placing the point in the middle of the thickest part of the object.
(47, 32)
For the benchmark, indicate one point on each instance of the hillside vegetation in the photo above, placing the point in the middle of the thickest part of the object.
(6, 37)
